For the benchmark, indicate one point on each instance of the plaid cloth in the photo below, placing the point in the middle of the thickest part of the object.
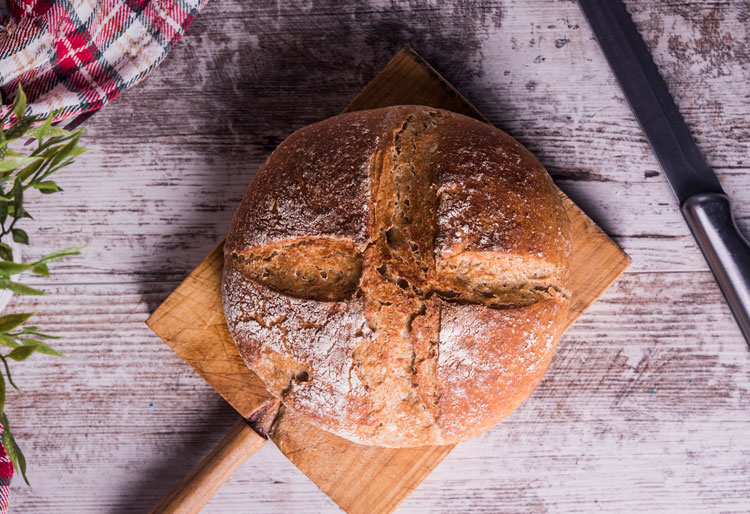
(74, 56)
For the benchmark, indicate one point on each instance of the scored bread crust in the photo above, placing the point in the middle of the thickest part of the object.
(399, 276)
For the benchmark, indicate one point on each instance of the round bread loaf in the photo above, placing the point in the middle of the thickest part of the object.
(399, 276)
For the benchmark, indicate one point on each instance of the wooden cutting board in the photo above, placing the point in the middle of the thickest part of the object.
(360, 479)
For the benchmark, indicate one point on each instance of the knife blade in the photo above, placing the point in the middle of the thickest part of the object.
(703, 203)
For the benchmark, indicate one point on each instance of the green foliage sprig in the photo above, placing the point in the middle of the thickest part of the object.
(55, 148)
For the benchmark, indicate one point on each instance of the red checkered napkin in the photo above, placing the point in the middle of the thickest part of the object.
(73, 56)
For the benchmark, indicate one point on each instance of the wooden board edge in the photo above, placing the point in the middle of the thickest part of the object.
(618, 269)
(409, 54)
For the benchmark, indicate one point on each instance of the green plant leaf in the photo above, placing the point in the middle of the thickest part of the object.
(6, 252)
(11, 163)
(3, 209)
(29, 170)
(40, 269)
(22, 352)
(46, 130)
(19, 103)
(43, 148)
(35, 332)
(21, 126)
(6, 340)
(14, 452)
(40, 347)
(8, 268)
(65, 150)
(20, 236)
(11, 321)
(19, 288)
(68, 156)
(59, 254)
(17, 199)
(47, 187)
(79, 150)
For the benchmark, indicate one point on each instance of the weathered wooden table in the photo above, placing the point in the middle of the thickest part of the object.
(647, 403)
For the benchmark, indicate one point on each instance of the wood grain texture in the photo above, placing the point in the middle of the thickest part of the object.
(646, 405)
(359, 479)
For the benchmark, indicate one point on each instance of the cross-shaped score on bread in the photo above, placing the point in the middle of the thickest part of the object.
(415, 262)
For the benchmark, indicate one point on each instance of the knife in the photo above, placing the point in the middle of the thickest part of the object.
(703, 203)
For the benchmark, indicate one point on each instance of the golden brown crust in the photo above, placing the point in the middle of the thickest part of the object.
(399, 276)
(323, 268)
(314, 183)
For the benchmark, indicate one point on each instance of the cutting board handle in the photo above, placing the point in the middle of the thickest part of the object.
(196, 489)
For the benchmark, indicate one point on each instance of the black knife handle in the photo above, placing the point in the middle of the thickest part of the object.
(710, 219)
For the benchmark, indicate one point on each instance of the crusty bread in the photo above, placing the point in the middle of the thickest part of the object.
(399, 276)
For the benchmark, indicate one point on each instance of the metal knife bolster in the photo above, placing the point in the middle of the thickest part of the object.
(710, 219)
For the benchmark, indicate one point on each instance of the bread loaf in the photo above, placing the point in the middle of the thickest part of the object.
(399, 276)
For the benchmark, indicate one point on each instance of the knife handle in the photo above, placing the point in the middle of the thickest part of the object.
(196, 489)
(710, 219)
